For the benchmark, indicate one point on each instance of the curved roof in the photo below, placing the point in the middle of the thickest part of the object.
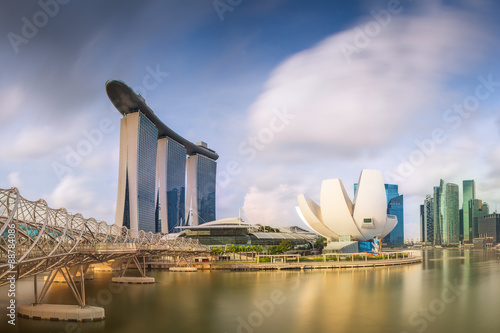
(231, 222)
(284, 235)
(127, 101)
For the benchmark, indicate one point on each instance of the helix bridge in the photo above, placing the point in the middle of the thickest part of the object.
(35, 238)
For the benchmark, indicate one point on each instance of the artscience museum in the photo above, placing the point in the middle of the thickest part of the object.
(337, 218)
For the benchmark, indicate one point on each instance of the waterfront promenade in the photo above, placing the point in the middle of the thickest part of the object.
(293, 262)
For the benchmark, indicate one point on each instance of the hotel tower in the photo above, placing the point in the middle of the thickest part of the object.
(152, 191)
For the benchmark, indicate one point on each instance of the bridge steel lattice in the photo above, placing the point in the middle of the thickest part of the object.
(35, 238)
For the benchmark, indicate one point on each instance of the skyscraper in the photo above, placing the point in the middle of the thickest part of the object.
(170, 185)
(446, 214)
(428, 219)
(394, 207)
(152, 171)
(469, 193)
(476, 208)
(436, 216)
(135, 206)
(422, 224)
(200, 194)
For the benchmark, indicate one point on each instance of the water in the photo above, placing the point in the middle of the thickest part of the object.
(451, 291)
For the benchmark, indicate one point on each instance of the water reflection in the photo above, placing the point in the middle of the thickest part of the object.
(452, 290)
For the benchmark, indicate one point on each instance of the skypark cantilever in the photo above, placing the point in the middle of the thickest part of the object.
(127, 101)
(152, 189)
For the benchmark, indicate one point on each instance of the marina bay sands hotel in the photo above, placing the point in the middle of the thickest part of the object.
(152, 191)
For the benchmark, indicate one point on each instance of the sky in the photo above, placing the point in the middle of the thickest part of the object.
(288, 93)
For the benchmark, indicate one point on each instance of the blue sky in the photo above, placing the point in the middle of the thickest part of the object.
(287, 92)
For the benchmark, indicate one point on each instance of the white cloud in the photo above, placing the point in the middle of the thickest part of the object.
(275, 207)
(368, 112)
(15, 179)
(346, 107)
(71, 193)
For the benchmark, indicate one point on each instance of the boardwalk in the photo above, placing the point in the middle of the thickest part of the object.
(290, 266)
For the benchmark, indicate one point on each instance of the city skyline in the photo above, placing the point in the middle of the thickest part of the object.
(287, 93)
(447, 220)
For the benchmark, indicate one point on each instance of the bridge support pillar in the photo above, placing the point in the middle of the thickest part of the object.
(143, 279)
(80, 312)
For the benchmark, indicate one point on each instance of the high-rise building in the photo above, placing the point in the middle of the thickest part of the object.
(152, 171)
(436, 217)
(446, 211)
(135, 206)
(422, 224)
(200, 194)
(489, 226)
(170, 185)
(427, 219)
(469, 193)
(477, 208)
(394, 207)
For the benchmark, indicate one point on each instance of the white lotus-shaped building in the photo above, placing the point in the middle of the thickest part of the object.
(336, 216)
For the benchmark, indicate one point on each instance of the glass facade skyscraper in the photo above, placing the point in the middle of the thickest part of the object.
(476, 208)
(171, 185)
(200, 196)
(152, 169)
(135, 207)
(394, 207)
(428, 219)
(469, 193)
(446, 214)
(422, 224)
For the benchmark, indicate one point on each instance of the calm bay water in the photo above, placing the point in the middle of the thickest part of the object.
(451, 291)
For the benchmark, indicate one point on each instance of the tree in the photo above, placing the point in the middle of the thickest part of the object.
(320, 243)
(284, 246)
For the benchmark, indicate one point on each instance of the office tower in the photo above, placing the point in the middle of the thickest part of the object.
(200, 194)
(489, 226)
(422, 224)
(446, 210)
(435, 216)
(461, 224)
(469, 193)
(428, 219)
(135, 206)
(394, 207)
(170, 185)
(477, 208)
